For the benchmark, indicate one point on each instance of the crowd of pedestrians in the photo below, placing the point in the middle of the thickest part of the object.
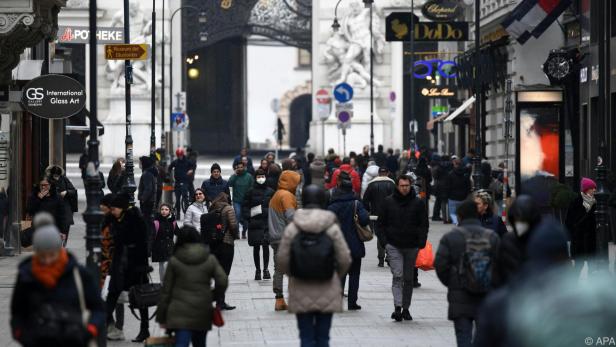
(314, 213)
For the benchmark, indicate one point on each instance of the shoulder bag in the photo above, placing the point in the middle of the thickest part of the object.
(363, 232)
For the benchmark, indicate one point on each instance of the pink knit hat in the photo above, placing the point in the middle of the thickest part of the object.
(587, 184)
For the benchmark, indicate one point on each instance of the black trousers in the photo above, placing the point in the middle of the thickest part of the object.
(353, 275)
(224, 253)
(256, 250)
(111, 304)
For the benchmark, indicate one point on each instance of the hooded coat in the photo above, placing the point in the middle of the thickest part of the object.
(186, 297)
(344, 205)
(63, 184)
(371, 173)
(314, 296)
(162, 237)
(259, 195)
(282, 205)
(378, 189)
(317, 171)
(354, 178)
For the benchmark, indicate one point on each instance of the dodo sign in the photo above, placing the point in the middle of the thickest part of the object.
(53, 97)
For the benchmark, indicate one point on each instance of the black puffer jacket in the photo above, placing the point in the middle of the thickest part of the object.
(130, 258)
(259, 195)
(403, 221)
(450, 252)
(50, 203)
(148, 184)
(165, 228)
(378, 189)
(458, 184)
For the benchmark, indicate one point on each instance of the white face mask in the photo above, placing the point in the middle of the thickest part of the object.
(260, 180)
(521, 228)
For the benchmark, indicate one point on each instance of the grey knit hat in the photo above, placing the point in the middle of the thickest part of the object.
(41, 219)
(47, 238)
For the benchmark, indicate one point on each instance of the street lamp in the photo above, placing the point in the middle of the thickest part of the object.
(129, 185)
(153, 88)
(478, 103)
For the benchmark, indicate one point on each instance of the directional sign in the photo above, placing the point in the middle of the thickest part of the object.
(343, 92)
(126, 52)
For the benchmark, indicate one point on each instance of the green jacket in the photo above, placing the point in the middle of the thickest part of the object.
(241, 185)
(186, 297)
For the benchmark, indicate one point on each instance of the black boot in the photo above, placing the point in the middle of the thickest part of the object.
(266, 275)
(144, 331)
(397, 314)
(119, 316)
(406, 314)
(258, 275)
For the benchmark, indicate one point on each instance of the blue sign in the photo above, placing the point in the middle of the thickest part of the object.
(343, 92)
(179, 121)
(445, 68)
(344, 116)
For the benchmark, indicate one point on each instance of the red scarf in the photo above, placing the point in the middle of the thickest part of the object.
(49, 275)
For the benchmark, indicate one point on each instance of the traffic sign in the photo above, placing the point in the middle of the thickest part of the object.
(126, 51)
(323, 97)
(179, 121)
(344, 113)
(343, 92)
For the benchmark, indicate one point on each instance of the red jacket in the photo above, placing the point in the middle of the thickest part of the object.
(354, 178)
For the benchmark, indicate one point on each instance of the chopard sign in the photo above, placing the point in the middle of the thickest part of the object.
(438, 92)
(441, 10)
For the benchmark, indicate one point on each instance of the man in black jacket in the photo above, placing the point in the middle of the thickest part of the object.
(463, 305)
(458, 188)
(183, 173)
(403, 224)
(378, 189)
(380, 157)
(147, 187)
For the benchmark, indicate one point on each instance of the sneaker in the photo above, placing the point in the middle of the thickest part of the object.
(354, 307)
(406, 315)
(114, 334)
(258, 275)
(266, 275)
(281, 305)
(397, 316)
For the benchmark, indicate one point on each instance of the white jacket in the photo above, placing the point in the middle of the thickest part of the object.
(193, 214)
(371, 172)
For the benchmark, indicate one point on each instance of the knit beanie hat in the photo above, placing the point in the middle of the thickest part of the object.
(41, 219)
(47, 238)
(215, 166)
(107, 200)
(120, 201)
(587, 184)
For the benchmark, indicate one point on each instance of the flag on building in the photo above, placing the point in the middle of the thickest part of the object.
(533, 17)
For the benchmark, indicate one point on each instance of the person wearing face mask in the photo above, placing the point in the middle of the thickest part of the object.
(241, 182)
(255, 212)
(165, 228)
(192, 217)
(581, 223)
(524, 216)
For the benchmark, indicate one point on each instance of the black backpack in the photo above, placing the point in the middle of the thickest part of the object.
(212, 228)
(475, 268)
(312, 256)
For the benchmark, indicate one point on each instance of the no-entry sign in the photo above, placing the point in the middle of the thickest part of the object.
(323, 97)
(126, 52)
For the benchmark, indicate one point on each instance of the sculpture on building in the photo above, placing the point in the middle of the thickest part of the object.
(140, 32)
(347, 52)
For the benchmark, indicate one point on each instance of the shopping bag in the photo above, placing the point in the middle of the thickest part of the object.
(425, 258)
(163, 341)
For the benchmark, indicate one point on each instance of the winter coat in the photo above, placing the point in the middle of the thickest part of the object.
(371, 173)
(50, 203)
(272, 180)
(403, 221)
(148, 185)
(440, 181)
(116, 182)
(378, 189)
(63, 184)
(107, 248)
(165, 228)
(180, 169)
(493, 222)
(31, 298)
(282, 205)
(317, 171)
(510, 257)
(380, 158)
(130, 257)
(314, 296)
(446, 263)
(241, 185)
(259, 195)
(250, 168)
(229, 220)
(186, 297)
(582, 228)
(344, 205)
(458, 184)
(192, 216)
(354, 178)
(392, 163)
(212, 187)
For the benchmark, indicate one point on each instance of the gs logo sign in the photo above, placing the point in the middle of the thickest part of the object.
(34, 93)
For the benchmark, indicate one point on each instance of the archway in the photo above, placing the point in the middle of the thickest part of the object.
(300, 115)
(285, 108)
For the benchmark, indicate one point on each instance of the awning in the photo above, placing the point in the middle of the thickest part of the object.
(461, 109)
(430, 124)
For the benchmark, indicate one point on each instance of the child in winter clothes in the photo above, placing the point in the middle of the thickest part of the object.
(165, 228)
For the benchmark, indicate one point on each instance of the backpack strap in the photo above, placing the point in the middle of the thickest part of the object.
(157, 225)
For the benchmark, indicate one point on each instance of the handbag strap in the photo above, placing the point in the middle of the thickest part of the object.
(79, 286)
(132, 310)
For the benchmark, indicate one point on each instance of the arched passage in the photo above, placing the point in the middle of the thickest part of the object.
(300, 115)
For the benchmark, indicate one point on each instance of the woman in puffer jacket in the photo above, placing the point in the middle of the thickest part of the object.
(371, 172)
(192, 217)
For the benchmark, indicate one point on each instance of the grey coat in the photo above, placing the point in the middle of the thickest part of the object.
(310, 296)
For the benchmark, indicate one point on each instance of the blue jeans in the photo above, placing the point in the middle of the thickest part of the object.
(314, 329)
(183, 338)
(464, 331)
(453, 206)
(237, 206)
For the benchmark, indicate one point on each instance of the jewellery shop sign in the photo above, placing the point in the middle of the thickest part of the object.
(53, 97)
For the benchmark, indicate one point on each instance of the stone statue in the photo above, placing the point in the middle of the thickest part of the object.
(140, 32)
(77, 3)
(347, 51)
